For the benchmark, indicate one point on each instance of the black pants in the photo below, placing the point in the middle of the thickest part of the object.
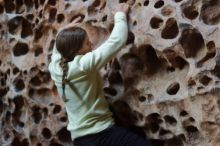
(113, 136)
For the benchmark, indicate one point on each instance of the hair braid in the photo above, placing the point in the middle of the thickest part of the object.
(64, 66)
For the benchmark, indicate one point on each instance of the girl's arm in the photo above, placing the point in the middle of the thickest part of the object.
(99, 57)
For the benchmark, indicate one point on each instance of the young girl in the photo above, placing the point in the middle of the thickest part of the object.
(75, 69)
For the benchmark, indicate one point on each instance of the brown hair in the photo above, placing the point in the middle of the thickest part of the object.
(68, 42)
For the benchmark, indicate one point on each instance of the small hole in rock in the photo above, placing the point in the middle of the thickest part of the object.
(173, 88)
(63, 119)
(146, 2)
(110, 91)
(60, 18)
(159, 4)
(57, 109)
(183, 113)
(104, 18)
(38, 51)
(156, 22)
(142, 98)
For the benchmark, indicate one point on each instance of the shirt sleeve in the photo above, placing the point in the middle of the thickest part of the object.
(104, 53)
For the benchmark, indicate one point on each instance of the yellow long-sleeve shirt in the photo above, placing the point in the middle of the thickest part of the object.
(87, 109)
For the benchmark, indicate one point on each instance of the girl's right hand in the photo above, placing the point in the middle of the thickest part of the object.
(122, 7)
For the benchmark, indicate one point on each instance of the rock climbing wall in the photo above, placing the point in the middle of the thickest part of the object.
(165, 80)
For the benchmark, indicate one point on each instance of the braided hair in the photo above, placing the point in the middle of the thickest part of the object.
(68, 42)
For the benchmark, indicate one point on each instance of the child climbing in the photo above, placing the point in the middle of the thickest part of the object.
(74, 67)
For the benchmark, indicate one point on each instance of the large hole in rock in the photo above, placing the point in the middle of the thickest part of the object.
(110, 91)
(9, 6)
(64, 135)
(170, 30)
(205, 80)
(130, 62)
(170, 119)
(19, 4)
(60, 18)
(1, 9)
(36, 114)
(180, 62)
(149, 57)
(156, 22)
(19, 84)
(131, 38)
(123, 113)
(38, 51)
(51, 2)
(216, 70)
(52, 16)
(20, 49)
(26, 29)
(191, 129)
(175, 141)
(46, 133)
(146, 2)
(191, 41)
(173, 88)
(29, 4)
(14, 23)
(183, 113)
(57, 109)
(38, 33)
(115, 78)
(190, 12)
(210, 13)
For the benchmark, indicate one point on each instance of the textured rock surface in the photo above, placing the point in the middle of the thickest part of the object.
(165, 80)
